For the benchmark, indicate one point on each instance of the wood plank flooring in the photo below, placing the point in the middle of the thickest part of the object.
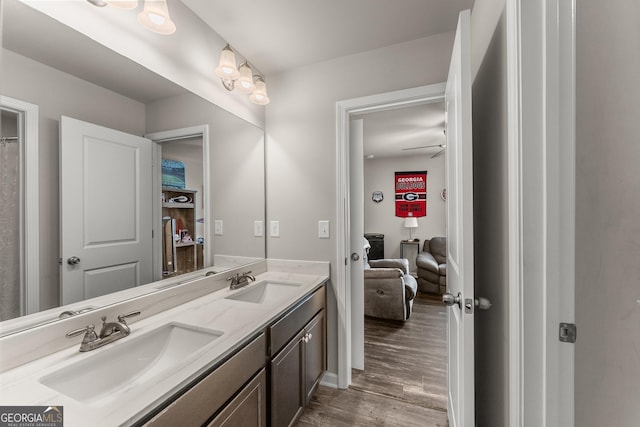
(404, 381)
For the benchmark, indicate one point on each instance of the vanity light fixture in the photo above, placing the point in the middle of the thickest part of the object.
(241, 78)
(155, 17)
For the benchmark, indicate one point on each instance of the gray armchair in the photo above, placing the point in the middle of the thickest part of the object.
(432, 266)
(389, 289)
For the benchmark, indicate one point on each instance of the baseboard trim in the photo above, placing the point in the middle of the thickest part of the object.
(329, 379)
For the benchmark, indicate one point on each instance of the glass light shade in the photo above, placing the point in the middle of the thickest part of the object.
(99, 3)
(245, 81)
(226, 69)
(259, 95)
(123, 4)
(155, 17)
(411, 222)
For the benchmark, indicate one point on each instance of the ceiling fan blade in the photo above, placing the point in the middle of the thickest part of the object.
(438, 154)
(423, 146)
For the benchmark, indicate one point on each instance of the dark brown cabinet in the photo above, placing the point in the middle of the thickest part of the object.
(248, 408)
(296, 369)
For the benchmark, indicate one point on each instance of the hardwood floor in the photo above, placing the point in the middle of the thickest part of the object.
(404, 381)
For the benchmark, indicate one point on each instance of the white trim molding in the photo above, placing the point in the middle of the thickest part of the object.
(344, 110)
(29, 203)
(541, 132)
(172, 135)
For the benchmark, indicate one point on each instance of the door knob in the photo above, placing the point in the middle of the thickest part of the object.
(73, 260)
(355, 257)
(449, 299)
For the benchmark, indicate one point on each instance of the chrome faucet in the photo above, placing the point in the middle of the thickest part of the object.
(240, 280)
(110, 332)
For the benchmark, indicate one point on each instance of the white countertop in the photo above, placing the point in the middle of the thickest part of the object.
(237, 320)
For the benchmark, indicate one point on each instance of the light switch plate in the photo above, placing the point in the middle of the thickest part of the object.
(217, 227)
(323, 229)
(258, 228)
(275, 228)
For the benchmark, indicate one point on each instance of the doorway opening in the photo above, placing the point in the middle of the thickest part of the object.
(19, 205)
(181, 246)
(350, 298)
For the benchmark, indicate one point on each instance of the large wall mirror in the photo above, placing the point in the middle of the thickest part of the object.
(64, 73)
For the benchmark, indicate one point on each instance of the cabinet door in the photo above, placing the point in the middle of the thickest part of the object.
(287, 378)
(315, 353)
(248, 408)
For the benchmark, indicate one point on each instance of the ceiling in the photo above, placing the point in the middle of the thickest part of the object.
(280, 34)
(277, 35)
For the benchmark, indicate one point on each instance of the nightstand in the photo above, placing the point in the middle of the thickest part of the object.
(409, 249)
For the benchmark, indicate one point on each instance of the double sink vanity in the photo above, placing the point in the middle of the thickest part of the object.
(196, 354)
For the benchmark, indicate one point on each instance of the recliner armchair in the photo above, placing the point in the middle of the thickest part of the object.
(389, 289)
(432, 266)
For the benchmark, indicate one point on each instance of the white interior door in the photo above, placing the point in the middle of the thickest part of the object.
(105, 210)
(356, 236)
(459, 164)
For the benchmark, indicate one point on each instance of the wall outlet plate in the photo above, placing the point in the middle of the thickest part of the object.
(275, 229)
(217, 227)
(323, 229)
(258, 228)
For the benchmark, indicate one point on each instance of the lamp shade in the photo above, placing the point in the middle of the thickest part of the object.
(155, 17)
(411, 222)
(226, 68)
(259, 95)
(123, 4)
(245, 81)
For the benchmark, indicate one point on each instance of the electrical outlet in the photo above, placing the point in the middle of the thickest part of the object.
(217, 227)
(258, 228)
(323, 229)
(275, 228)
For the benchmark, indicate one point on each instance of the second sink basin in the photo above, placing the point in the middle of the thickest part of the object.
(264, 292)
(132, 363)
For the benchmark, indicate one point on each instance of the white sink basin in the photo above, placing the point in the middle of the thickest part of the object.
(264, 292)
(134, 362)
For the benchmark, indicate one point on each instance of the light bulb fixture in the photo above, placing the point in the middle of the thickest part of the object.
(123, 4)
(259, 95)
(245, 83)
(155, 17)
(226, 69)
(241, 78)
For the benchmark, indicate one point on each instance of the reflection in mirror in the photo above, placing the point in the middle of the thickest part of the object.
(76, 77)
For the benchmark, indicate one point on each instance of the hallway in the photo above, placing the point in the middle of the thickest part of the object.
(404, 383)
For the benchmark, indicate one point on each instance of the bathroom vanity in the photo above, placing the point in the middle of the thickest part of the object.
(251, 356)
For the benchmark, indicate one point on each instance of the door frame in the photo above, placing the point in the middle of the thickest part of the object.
(344, 110)
(29, 203)
(158, 138)
(541, 209)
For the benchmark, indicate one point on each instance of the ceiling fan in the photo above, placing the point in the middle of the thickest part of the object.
(442, 146)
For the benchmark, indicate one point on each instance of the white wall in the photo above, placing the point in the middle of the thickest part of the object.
(301, 142)
(379, 175)
(607, 212)
(56, 93)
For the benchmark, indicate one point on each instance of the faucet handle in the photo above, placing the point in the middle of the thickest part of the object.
(122, 317)
(88, 331)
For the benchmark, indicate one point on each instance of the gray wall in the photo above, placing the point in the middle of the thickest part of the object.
(236, 191)
(607, 212)
(57, 94)
(491, 231)
(301, 142)
(380, 217)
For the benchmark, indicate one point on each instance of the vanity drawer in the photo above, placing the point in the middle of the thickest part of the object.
(293, 321)
(206, 397)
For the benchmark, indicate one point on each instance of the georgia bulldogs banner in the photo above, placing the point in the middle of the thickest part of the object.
(411, 194)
